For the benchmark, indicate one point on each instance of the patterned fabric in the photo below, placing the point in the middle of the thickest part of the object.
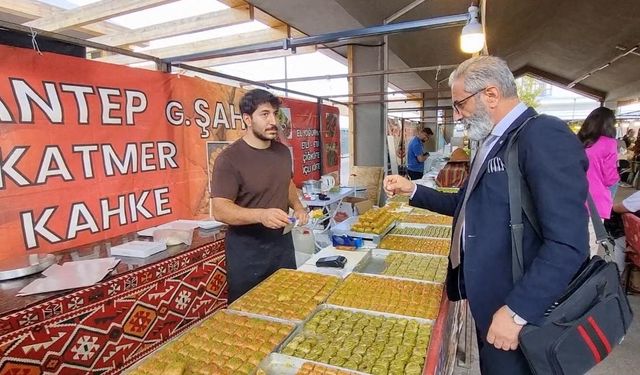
(107, 327)
(453, 175)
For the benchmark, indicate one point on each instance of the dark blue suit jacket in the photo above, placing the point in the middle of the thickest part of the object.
(553, 164)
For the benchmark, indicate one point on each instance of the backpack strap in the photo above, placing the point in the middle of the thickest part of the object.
(520, 200)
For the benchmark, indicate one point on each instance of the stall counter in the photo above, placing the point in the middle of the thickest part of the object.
(106, 327)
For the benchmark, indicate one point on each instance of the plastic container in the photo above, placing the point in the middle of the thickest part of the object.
(171, 236)
(303, 240)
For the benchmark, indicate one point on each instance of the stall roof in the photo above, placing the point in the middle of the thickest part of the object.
(559, 41)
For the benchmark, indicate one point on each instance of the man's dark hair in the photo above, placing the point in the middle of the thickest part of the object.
(252, 99)
(427, 131)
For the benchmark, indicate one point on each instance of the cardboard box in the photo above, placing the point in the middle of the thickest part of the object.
(358, 205)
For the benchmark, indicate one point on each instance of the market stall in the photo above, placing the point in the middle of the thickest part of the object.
(82, 173)
(165, 312)
(384, 313)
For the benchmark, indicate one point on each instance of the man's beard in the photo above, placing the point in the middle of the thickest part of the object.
(263, 137)
(478, 125)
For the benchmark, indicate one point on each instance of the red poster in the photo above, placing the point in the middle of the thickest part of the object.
(313, 156)
(90, 150)
(331, 142)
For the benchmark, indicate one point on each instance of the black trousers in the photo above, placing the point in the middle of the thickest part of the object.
(253, 253)
(414, 175)
(500, 362)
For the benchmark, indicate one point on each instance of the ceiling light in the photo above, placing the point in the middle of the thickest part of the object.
(472, 36)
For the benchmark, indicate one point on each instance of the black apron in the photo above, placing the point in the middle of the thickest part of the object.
(253, 253)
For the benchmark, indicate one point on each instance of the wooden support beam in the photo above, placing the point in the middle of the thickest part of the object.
(265, 18)
(34, 9)
(250, 57)
(233, 3)
(249, 38)
(207, 21)
(91, 13)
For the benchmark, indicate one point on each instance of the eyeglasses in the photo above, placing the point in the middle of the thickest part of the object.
(456, 105)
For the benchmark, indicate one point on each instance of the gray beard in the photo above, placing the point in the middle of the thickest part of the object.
(479, 125)
(478, 131)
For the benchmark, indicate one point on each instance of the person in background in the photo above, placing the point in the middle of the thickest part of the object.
(417, 156)
(554, 165)
(629, 138)
(597, 135)
(631, 204)
(252, 192)
(456, 171)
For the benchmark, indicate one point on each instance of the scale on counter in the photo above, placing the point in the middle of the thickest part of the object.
(24, 265)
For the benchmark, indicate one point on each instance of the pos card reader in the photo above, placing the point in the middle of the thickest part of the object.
(337, 261)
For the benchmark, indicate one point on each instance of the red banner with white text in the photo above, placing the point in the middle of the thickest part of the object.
(90, 150)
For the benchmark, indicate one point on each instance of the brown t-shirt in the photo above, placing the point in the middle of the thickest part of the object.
(251, 177)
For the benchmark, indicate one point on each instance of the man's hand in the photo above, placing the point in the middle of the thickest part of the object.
(273, 218)
(302, 216)
(394, 185)
(503, 332)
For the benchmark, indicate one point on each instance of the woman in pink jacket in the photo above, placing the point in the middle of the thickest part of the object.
(597, 134)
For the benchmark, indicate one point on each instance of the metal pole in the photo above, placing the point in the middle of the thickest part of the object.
(403, 11)
(250, 82)
(385, 67)
(319, 112)
(412, 91)
(286, 76)
(436, 22)
(608, 64)
(384, 101)
(363, 74)
(385, 110)
(413, 109)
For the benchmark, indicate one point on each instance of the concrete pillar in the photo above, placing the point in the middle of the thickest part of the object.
(367, 124)
(431, 123)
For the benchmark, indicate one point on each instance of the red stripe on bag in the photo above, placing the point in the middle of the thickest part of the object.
(589, 343)
(600, 334)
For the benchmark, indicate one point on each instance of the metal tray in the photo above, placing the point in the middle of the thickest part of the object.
(388, 251)
(280, 364)
(296, 329)
(24, 265)
(398, 278)
(402, 210)
(430, 321)
(377, 313)
(326, 306)
(344, 228)
(375, 264)
(419, 226)
(262, 316)
(406, 224)
(368, 312)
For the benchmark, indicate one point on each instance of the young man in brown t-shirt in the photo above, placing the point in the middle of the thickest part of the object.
(252, 192)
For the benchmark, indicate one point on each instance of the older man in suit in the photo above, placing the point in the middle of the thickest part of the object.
(553, 165)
